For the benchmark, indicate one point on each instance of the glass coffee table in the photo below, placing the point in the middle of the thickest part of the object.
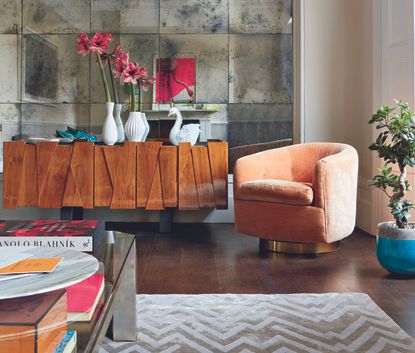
(117, 312)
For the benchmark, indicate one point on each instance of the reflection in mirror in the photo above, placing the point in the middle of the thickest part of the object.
(176, 78)
(41, 69)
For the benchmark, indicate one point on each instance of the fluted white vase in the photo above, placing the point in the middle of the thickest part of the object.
(109, 129)
(118, 122)
(134, 127)
(147, 126)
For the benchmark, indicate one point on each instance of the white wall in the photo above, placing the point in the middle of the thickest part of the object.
(394, 38)
(338, 84)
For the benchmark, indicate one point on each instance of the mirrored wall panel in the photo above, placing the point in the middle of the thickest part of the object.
(225, 63)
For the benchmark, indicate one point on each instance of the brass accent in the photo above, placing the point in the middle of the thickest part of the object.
(298, 248)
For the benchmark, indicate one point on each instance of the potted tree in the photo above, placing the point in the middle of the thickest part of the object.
(395, 144)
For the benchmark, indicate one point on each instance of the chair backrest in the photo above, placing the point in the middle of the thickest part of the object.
(304, 158)
(241, 151)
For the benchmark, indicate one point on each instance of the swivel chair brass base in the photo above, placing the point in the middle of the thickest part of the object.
(298, 248)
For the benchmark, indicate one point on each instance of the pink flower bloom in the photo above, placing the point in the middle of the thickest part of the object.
(147, 82)
(142, 72)
(118, 71)
(132, 73)
(99, 42)
(82, 44)
(123, 59)
(116, 54)
(120, 64)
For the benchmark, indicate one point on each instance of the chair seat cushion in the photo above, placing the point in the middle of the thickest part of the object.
(277, 191)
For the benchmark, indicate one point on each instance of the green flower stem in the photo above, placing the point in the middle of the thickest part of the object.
(114, 89)
(140, 103)
(133, 100)
(104, 79)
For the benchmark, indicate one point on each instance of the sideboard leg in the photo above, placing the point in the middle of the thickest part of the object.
(78, 213)
(166, 220)
(72, 213)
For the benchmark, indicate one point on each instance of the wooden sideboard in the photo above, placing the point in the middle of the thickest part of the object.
(145, 175)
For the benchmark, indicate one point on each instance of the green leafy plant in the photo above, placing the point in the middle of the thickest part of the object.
(395, 144)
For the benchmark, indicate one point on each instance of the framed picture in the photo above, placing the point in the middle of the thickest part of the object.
(175, 81)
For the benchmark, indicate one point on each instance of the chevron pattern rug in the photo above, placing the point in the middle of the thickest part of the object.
(300, 323)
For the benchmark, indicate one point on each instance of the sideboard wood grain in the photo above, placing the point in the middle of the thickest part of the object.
(146, 175)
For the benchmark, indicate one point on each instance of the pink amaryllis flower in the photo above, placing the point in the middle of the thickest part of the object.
(113, 56)
(143, 72)
(121, 63)
(82, 44)
(117, 53)
(99, 42)
(147, 82)
(133, 73)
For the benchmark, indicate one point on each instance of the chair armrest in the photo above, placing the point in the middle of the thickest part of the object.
(335, 190)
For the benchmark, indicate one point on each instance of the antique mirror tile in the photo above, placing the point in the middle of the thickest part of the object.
(9, 113)
(53, 71)
(219, 131)
(10, 16)
(9, 68)
(260, 112)
(253, 132)
(261, 68)
(56, 16)
(260, 16)
(256, 123)
(53, 116)
(211, 55)
(125, 16)
(189, 16)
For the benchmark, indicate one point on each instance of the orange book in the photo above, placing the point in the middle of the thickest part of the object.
(34, 324)
(31, 266)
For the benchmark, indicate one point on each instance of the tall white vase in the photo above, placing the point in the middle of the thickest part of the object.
(134, 127)
(147, 126)
(109, 130)
(118, 122)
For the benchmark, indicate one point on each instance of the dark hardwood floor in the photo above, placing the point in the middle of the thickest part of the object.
(202, 258)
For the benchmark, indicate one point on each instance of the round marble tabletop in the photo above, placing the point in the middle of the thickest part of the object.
(74, 267)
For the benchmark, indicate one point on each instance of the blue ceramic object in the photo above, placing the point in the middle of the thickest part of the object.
(76, 134)
(396, 255)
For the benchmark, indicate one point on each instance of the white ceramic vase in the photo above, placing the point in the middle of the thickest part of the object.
(134, 127)
(118, 122)
(109, 130)
(147, 126)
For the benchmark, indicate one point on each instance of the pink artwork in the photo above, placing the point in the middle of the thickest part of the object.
(176, 80)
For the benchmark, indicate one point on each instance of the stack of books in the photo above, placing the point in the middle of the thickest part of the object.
(86, 235)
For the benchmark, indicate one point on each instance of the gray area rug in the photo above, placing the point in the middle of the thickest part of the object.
(311, 323)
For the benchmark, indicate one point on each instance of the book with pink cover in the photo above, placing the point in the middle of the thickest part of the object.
(83, 298)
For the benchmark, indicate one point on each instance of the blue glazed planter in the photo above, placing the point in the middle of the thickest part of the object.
(395, 249)
(396, 256)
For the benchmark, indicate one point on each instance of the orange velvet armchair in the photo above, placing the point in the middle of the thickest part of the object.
(297, 199)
